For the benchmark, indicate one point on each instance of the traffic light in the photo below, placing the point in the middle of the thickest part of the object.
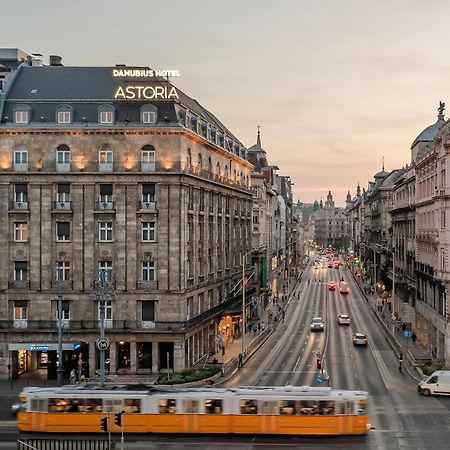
(118, 419)
(319, 363)
(104, 424)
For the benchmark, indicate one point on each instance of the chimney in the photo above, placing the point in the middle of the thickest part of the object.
(55, 60)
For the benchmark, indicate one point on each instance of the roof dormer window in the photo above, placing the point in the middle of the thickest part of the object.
(106, 114)
(64, 115)
(149, 114)
(22, 114)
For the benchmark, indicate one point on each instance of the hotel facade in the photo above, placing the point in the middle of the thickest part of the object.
(103, 172)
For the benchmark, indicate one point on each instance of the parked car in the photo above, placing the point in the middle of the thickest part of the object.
(317, 324)
(343, 319)
(359, 339)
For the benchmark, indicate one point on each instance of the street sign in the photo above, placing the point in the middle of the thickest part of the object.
(318, 379)
(407, 333)
(102, 344)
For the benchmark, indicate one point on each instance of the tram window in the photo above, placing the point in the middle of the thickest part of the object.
(167, 406)
(112, 405)
(190, 406)
(270, 408)
(64, 405)
(93, 405)
(306, 407)
(213, 406)
(349, 408)
(132, 405)
(326, 408)
(362, 407)
(287, 407)
(249, 407)
(38, 405)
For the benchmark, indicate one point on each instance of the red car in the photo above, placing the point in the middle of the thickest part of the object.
(331, 286)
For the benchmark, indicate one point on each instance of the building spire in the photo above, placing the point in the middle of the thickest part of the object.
(258, 138)
(441, 110)
(382, 164)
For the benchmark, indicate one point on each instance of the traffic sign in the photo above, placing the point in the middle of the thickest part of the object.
(102, 344)
(318, 379)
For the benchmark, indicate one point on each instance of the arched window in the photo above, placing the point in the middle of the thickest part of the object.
(149, 114)
(148, 158)
(218, 170)
(226, 173)
(209, 166)
(20, 159)
(105, 158)
(200, 162)
(22, 114)
(63, 158)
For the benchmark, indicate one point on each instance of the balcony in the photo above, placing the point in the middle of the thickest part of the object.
(62, 206)
(20, 167)
(19, 206)
(104, 206)
(62, 167)
(19, 284)
(20, 323)
(147, 206)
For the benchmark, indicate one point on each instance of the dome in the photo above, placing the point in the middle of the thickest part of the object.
(430, 133)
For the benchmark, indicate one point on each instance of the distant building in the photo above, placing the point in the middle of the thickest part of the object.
(330, 225)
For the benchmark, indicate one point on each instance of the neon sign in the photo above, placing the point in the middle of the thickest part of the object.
(145, 73)
(146, 92)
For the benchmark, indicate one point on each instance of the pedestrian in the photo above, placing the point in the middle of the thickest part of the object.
(73, 377)
(414, 337)
(283, 312)
(240, 360)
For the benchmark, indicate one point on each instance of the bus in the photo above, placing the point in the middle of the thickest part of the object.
(295, 410)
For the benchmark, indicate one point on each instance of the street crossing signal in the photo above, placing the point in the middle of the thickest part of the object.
(118, 419)
(319, 363)
(104, 424)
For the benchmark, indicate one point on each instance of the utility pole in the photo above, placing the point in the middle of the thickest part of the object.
(60, 369)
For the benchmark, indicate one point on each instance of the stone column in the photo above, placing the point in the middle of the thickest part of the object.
(155, 357)
(133, 357)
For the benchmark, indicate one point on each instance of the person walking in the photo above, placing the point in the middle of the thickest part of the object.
(240, 360)
(414, 337)
(73, 377)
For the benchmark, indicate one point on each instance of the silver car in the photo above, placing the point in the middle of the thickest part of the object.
(317, 324)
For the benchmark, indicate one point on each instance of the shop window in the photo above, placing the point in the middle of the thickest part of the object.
(144, 355)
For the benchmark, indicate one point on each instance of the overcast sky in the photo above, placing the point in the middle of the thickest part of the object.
(334, 85)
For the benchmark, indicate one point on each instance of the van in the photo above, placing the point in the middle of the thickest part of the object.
(438, 383)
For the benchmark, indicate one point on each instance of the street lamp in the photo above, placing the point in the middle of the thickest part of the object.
(393, 273)
(60, 369)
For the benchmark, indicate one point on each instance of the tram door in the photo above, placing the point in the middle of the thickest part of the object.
(191, 411)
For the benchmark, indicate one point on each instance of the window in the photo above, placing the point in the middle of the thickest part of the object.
(65, 310)
(63, 154)
(148, 310)
(148, 193)
(213, 406)
(63, 117)
(148, 231)
(106, 266)
(148, 117)
(249, 406)
(20, 270)
(105, 231)
(21, 116)
(106, 116)
(21, 231)
(105, 154)
(20, 193)
(148, 271)
(190, 406)
(62, 271)
(167, 406)
(108, 311)
(20, 155)
(148, 158)
(20, 310)
(63, 195)
(62, 231)
(106, 196)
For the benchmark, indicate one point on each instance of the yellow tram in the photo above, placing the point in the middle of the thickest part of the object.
(291, 410)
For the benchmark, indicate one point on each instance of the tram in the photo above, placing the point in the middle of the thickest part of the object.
(290, 410)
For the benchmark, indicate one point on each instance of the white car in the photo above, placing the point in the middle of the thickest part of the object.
(343, 319)
(317, 324)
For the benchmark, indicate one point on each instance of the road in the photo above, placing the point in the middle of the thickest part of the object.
(400, 417)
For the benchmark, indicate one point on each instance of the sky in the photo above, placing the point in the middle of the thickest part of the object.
(334, 85)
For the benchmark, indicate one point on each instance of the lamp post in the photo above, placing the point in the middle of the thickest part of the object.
(288, 269)
(60, 369)
(393, 274)
(243, 298)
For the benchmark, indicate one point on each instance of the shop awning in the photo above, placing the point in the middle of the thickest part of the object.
(43, 346)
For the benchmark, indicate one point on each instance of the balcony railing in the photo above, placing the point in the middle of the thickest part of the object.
(147, 206)
(62, 206)
(18, 206)
(104, 206)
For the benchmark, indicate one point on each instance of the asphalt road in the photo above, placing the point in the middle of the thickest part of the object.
(400, 417)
